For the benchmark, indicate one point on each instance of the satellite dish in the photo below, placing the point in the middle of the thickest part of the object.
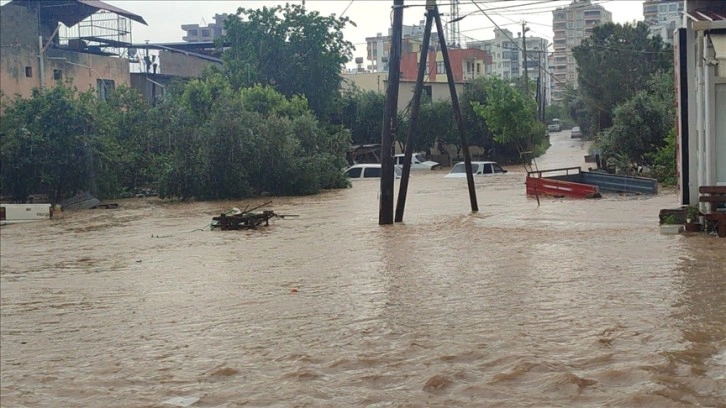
(133, 52)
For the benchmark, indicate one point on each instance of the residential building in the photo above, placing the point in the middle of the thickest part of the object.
(38, 51)
(505, 53)
(663, 17)
(378, 47)
(210, 32)
(700, 68)
(507, 57)
(571, 25)
(466, 64)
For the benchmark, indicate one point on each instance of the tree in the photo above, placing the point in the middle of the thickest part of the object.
(362, 113)
(295, 51)
(48, 144)
(641, 124)
(435, 121)
(127, 145)
(510, 117)
(614, 63)
(477, 132)
(233, 144)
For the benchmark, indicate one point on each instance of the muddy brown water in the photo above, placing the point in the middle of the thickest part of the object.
(572, 303)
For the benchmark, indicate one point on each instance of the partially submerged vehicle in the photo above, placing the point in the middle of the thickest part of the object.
(478, 168)
(370, 171)
(418, 162)
(19, 213)
(575, 183)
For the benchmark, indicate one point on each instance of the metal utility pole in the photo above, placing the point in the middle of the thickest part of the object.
(415, 109)
(455, 106)
(390, 112)
(524, 58)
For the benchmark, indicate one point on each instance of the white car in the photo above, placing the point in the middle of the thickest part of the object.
(418, 162)
(367, 171)
(478, 168)
(575, 132)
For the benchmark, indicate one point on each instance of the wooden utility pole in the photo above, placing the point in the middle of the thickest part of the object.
(455, 106)
(390, 112)
(415, 109)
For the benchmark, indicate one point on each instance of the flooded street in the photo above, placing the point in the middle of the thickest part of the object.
(572, 303)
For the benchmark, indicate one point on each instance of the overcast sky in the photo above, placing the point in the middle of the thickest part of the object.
(371, 16)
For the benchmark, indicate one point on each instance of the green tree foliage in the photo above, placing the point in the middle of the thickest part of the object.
(510, 117)
(614, 63)
(641, 123)
(295, 51)
(435, 122)
(663, 160)
(362, 113)
(477, 132)
(248, 142)
(48, 143)
(128, 147)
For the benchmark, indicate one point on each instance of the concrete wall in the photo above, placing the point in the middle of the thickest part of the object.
(18, 50)
(178, 64)
(20, 65)
(366, 81)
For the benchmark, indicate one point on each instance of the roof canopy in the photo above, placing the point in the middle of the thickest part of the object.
(72, 12)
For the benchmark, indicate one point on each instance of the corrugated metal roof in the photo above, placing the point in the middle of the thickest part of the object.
(72, 12)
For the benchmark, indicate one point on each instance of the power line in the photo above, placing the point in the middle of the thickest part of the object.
(525, 62)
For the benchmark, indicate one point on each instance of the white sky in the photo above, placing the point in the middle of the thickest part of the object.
(371, 16)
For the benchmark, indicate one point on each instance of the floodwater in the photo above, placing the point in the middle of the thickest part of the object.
(573, 303)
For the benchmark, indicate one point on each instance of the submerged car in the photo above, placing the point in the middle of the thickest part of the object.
(368, 171)
(418, 162)
(575, 132)
(478, 168)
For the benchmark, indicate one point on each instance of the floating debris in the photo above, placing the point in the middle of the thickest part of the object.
(237, 219)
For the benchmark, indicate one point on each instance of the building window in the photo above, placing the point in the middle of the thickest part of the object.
(205, 33)
(440, 68)
(478, 68)
(105, 87)
(57, 74)
(28, 72)
(192, 33)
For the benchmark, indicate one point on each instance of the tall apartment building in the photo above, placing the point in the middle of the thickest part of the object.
(507, 56)
(378, 47)
(663, 17)
(572, 24)
(208, 33)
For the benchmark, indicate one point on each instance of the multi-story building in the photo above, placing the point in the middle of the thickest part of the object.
(208, 33)
(572, 24)
(56, 41)
(663, 17)
(466, 64)
(379, 46)
(507, 56)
